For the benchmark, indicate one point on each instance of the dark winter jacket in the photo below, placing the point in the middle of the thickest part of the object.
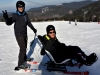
(59, 51)
(21, 21)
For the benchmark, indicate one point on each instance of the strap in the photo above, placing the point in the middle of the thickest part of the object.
(47, 37)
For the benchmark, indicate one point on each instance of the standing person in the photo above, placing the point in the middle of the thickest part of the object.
(21, 20)
(75, 21)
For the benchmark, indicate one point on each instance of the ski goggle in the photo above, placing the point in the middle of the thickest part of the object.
(21, 6)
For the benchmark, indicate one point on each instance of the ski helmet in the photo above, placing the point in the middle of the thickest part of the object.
(50, 27)
(20, 4)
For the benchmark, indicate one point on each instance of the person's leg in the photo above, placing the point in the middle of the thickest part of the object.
(76, 50)
(26, 58)
(80, 58)
(22, 53)
(77, 54)
(84, 59)
(80, 55)
(25, 39)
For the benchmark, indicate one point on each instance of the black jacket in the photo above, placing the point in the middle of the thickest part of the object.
(21, 21)
(59, 51)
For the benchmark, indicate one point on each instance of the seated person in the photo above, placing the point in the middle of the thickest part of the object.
(60, 51)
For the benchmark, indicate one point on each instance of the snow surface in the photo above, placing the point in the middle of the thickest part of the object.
(84, 35)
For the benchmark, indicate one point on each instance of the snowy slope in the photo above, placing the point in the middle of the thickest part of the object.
(84, 35)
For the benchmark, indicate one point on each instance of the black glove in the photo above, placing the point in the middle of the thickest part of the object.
(42, 51)
(40, 38)
(35, 31)
(5, 15)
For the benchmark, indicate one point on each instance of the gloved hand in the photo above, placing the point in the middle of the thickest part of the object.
(35, 31)
(40, 38)
(5, 14)
(42, 51)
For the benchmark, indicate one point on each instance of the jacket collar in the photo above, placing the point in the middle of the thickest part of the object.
(23, 13)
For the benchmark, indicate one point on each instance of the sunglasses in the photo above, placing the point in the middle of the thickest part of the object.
(51, 32)
(20, 7)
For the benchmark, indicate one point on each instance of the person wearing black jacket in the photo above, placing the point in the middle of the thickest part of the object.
(21, 20)
(60, 51)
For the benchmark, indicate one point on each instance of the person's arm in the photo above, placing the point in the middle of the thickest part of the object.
(8, 20)
(40, 38)
(61, 44)
(30, 25)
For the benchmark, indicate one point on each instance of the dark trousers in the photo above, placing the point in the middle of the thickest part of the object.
(69, 52)
(22, 42)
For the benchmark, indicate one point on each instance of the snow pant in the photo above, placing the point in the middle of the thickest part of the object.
(73, 50)
(77, 54)
(22, 42)
(70, 52)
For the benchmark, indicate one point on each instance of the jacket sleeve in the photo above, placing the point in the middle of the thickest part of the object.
(42, 41)
(10, 20)
(30, 24)
(40, 38)
(61, 44)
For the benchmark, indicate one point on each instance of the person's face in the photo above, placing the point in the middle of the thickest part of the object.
(20, 9)
(52, 34)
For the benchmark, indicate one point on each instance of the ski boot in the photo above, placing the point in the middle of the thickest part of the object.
(20, 67)
(92, 58)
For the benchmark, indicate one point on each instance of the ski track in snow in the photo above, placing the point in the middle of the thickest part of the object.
(84, 35)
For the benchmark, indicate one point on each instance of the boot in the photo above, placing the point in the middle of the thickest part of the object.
(29, 59)
(92, 58)
(20, 67)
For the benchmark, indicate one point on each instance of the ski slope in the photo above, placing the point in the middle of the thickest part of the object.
(84, 35)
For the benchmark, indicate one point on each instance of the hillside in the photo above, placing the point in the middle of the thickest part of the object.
(74, 5)
(56, 10)
(77, 5)
(90, 12)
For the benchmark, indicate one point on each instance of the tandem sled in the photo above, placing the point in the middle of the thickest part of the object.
(52, 65)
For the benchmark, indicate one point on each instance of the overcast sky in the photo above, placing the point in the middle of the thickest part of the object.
(10, 5)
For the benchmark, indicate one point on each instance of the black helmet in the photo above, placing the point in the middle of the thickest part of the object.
(20, 4)
(50, 27)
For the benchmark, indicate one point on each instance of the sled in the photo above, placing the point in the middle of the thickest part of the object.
(52, 65)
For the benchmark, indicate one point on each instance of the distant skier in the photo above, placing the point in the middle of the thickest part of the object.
(21, 20)
(75, 22)
(60, 51)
